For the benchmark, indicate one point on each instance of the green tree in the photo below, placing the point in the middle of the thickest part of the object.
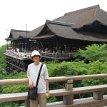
(93, 53)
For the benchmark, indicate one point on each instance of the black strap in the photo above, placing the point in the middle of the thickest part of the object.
(39, 75)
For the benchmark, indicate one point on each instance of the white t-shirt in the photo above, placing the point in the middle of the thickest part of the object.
(32, 73)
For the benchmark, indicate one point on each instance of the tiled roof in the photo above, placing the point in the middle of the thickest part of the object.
(16, 34)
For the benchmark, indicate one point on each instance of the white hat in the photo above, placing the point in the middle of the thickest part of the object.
(35, 52)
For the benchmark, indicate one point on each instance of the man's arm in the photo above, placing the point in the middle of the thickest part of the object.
(47, 85)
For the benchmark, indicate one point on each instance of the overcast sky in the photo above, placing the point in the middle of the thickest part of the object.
(15, 14)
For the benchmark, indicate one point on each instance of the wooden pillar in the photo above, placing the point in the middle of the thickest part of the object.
(68, 99)
(7, 44)
(11, 43)
(98, 95)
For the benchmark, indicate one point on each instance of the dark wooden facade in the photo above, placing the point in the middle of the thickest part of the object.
(60, 38)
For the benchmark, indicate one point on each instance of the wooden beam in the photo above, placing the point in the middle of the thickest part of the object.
(13, 97)
(58, 92)
(54, 79)
(83, 102)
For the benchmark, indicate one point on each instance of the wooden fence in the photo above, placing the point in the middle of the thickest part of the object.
(97, 100)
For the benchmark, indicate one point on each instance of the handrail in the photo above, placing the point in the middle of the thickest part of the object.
(54, 79)
(67, 92)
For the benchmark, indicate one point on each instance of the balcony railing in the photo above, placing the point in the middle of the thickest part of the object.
(45, 55)
(63, 56)
(18, 55)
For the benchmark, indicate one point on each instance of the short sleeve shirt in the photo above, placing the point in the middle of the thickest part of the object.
(32, 73)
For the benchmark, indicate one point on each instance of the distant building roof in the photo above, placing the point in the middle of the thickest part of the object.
(84, 16)
(71, 26)
(17, 34)
(68, 33)
(65, 26)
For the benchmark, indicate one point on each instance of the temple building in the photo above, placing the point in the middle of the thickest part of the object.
(59, 38)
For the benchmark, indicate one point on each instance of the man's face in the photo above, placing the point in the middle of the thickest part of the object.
(36, 58)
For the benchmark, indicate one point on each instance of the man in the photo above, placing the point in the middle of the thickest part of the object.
(43, 84)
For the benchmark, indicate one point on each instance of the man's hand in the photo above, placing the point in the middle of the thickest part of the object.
(30, 84)
(47, 94)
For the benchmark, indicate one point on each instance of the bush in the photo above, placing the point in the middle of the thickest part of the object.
(93, 53)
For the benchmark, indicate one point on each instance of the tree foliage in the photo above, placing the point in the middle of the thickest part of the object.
(93, 53)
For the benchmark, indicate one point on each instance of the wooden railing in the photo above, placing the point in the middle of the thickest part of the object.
(23, 55)
(97, 100)
(57, 55)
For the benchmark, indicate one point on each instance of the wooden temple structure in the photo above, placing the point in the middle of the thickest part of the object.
(59, 38)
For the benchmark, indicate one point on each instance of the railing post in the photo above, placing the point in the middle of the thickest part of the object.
(98, 95)
(68, 99)
(27, 103)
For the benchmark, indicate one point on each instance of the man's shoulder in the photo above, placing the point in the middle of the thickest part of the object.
(31, 64)
(44, 65)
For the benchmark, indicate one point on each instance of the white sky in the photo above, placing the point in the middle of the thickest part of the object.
(15, 14)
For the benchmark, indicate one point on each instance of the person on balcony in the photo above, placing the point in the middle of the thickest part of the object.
(46, 50)
(43, 85)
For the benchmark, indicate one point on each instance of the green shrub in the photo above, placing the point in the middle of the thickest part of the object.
(93, 53)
